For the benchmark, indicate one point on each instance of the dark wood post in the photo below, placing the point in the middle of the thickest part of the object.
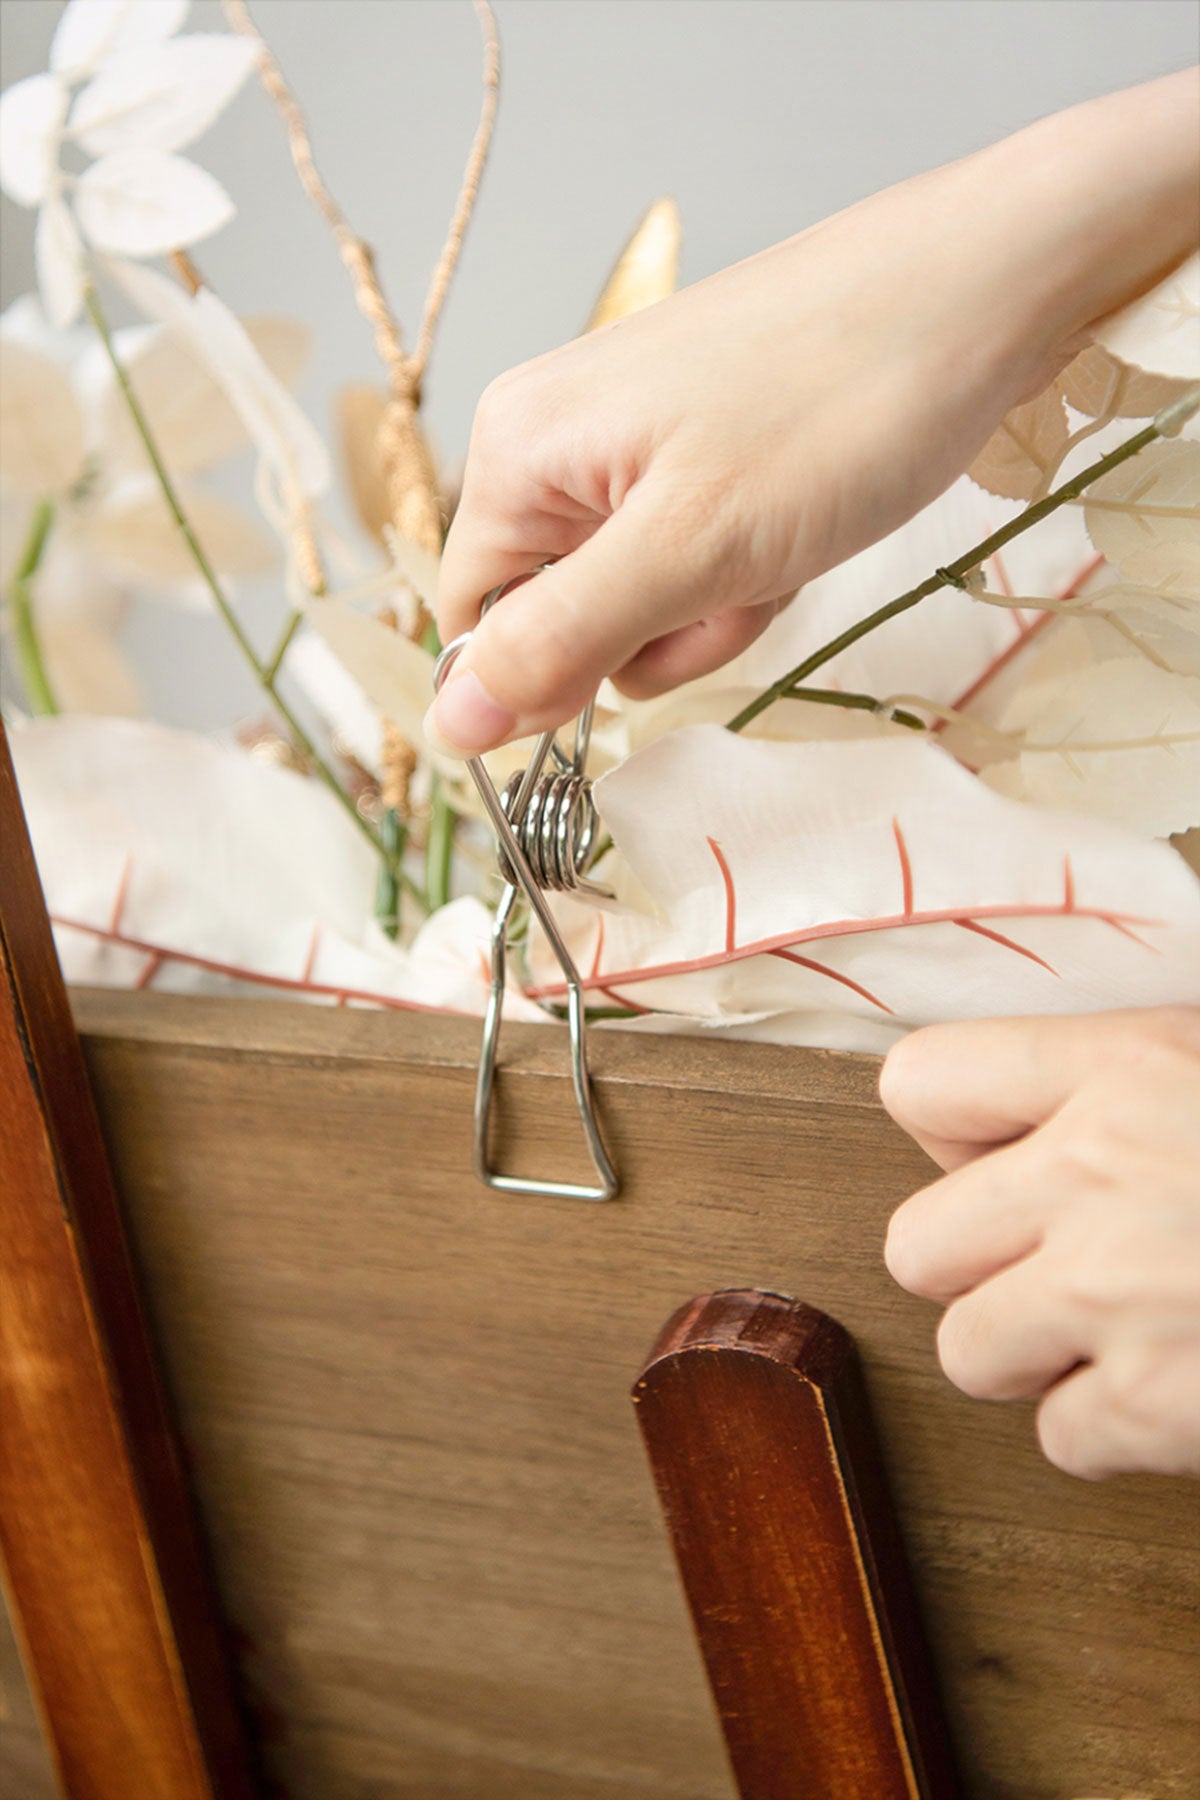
(754, 1416)
(103, 1563)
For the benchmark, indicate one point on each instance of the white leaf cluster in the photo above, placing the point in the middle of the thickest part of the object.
(66, 438)
(141, 95)
(1107, 718)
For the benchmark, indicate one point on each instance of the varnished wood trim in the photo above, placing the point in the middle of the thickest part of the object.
(103, 1564)
(755, 1420)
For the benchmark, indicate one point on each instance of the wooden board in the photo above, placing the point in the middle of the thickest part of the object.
(407, 1403)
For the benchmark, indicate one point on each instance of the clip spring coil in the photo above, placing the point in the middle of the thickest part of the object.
(546, 825)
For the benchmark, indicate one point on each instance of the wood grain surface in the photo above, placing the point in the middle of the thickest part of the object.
(406, 1402)
(100, 1554)
(755, 1419)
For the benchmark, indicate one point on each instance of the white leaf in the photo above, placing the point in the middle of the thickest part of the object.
(191, 418)
(1101, 385)
(58, 254)
(343, 706)
(87, 671)
(1149, 501)
(395, 674)
(285, 438)
(146, 202)
(1170, 566)
(41, 425)
(133, 532)
(1161, 331)
(1024, 449)
(1170, 640)
(90, 30)
(31, 116)
(161, 96)
(904, 890)
(188, 863)
(1119, 741)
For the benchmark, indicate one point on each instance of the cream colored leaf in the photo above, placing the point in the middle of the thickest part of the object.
(1118, 741)
(41, 424)
(1022, 451)
(360, 410)
(58, 255)
(90, 30)
(1169, 566)
(31, 116)
(88, 673)
(147, 202)
(133, 532)
(647, 269)
(1161, 331)
(897, 887)
(285, 438)
(1170, 640)
(191, 416)
(161, 96)
(1102, 386)
(395, 674)
(1150, 501)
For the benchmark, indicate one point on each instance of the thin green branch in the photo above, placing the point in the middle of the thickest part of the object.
(39, 691)
(264, 674)
(275, 661)
(955, 574)
(439, 854)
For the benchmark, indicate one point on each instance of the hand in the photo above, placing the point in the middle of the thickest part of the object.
(1065, 1240)
(694, 464)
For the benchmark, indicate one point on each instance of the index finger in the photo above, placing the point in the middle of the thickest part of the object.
(962, 1089)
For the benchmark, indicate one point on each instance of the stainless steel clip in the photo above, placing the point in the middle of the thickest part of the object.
(545, 821)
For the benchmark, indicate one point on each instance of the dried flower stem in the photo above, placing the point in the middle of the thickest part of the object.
(264, 674)
(465, 205)
(39, 691)
(405, 372)
(954, 574)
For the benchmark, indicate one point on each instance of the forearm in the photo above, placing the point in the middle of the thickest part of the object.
(1095, 205)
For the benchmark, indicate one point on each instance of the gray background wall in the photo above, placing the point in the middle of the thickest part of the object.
(760, 116)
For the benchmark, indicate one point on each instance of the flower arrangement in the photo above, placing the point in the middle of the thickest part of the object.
(936, 787)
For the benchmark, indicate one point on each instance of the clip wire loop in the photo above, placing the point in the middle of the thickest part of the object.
(546, 826)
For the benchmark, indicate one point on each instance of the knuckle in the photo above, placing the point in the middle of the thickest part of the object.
(959, 1344)
(1065, 1438)
(904, 1251)
(902, 1078)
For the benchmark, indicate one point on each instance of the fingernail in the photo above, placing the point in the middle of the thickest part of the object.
(464, 719)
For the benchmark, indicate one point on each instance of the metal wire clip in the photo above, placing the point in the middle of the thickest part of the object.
(546, 824)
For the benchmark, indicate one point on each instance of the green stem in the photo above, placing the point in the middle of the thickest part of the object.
(39, 691)
(264, 674)
(439, 853)
(955, 573)
(387, 889)
(856, 703)
(274, 661)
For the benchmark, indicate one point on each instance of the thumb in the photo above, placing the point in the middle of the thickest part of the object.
(537, 657)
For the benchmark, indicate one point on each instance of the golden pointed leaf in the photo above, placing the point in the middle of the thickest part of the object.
(647, 268)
